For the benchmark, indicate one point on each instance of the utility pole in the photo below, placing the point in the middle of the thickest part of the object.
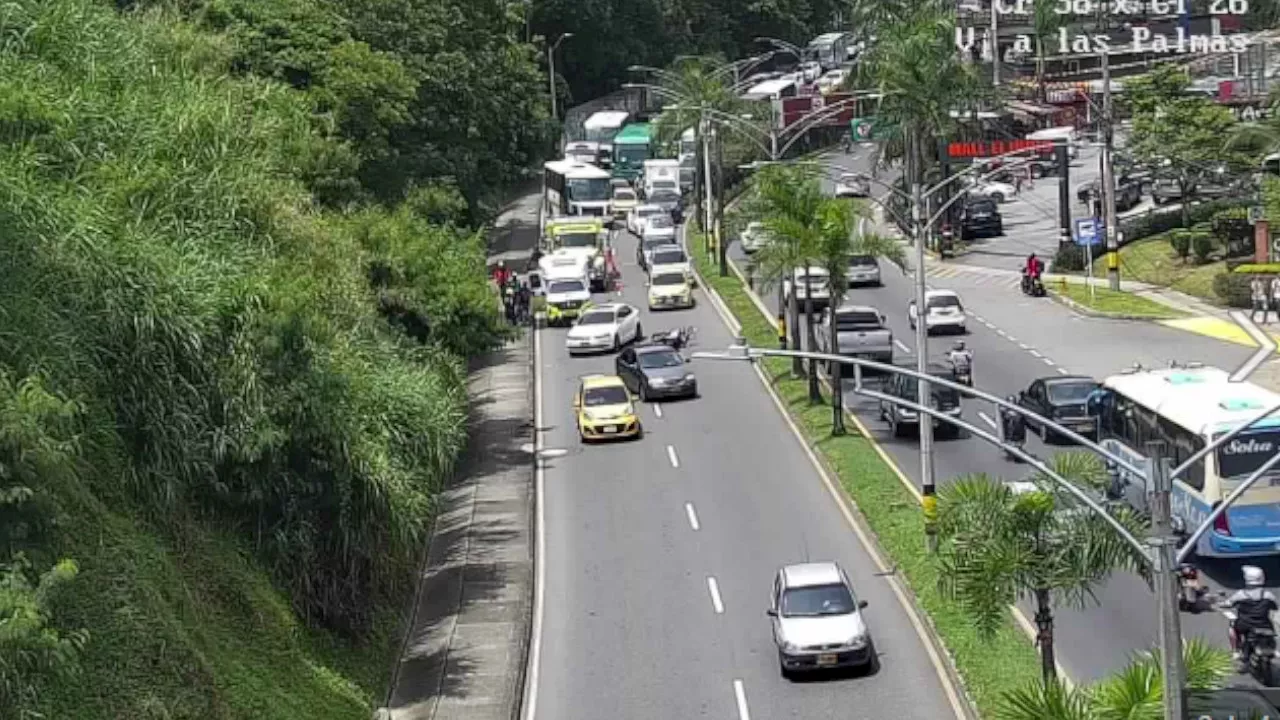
(1108, 181)
(708, 178)
(720, 243)
(1164, 546)
(995, 43)
(929, 501)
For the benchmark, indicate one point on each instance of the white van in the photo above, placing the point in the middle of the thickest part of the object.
(566, 287)
(661, 175)
(1054, 134)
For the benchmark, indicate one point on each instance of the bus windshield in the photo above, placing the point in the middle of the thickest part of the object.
(577, 239)
(631, 153)
(587, 190)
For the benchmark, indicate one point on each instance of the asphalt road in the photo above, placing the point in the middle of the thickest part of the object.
(1016, 339)
(660, 553)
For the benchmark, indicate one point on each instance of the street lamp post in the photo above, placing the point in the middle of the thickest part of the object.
(551, 71)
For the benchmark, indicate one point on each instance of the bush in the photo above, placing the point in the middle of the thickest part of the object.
(1180, 241)
(1201, 245)
(1157, 222)
(1233, 288)
(1074, 258)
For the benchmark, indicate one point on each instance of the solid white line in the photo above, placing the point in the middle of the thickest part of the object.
(1063, 371)
(740, 694)
(693, 516)
(715, 596)
(1002, 333)
(540, 540)
(979, 318)
(1011, 338)
(1048, 362)
(902, 346)
(1035, 353)
(986, 419)
(1024, 346)
(657, 409)
(671, 455)
(988, 324)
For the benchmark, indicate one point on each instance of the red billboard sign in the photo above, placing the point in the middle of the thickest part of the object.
(795, 108)
(981, 149)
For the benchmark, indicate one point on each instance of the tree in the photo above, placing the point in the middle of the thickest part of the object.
(1001, 547)
(838, 238)
(1046, 18)
(1134, 693)
(1181, 133)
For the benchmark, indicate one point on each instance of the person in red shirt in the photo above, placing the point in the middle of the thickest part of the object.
(1034, 267)
(501, 275)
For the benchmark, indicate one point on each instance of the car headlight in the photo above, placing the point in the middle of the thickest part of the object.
(688, 377)
(857, 642)
(790, 647)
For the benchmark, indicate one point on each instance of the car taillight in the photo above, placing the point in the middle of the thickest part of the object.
(1221, 525)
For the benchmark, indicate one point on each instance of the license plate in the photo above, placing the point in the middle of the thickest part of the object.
(609, 429)
(828, 659)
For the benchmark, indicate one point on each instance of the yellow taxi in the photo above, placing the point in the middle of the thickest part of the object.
(605, 410)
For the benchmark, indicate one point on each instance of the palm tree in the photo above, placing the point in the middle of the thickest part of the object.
(1003, 546)
(1045, 21)
(1134, 693)
(838, 238)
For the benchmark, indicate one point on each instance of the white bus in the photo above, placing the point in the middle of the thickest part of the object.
(601, 127)
(1187, 408)
(688, 143)
(574, 188)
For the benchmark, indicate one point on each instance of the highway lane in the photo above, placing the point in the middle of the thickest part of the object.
(718, 495)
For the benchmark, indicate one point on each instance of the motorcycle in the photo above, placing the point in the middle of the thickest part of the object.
(676, 339)
(962, 372)
(1191, 593)
(1257, 652)
(1032, 286)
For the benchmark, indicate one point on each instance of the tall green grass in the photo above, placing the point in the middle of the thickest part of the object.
(270, 394)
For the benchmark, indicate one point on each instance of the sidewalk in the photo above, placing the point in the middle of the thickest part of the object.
(464, 655)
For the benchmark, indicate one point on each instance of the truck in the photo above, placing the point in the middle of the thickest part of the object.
(584, 238)
(631, 147)
(860, 333)
(664, 174)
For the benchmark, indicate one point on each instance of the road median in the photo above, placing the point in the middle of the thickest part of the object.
(984, 666)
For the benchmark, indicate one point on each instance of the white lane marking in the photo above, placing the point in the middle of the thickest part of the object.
(1011, 338)
(990, 325)
(740, 694)
(986, 419)
(715, 596)
(1024, 346)
(1048, 362)
(979, 318)
(657, 409)
(540, 539)
(902, 346)
(671, 455)
(693, 516)
(1002, 333)
(1035, 353)
(1063, 371)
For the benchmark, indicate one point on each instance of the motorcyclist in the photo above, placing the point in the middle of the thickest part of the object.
(501, 275)
(1253, 607)
(961, 358)
(1034, 267)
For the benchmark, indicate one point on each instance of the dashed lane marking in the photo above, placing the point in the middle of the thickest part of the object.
(671, 455)
(692, 515)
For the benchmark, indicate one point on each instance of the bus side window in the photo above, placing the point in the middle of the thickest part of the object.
(1181, 445)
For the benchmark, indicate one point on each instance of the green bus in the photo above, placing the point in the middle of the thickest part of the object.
(631, 147)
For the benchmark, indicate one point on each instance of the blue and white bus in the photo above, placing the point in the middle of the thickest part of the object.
(1187, 408)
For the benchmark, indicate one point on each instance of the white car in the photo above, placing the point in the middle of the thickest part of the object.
(832, 80)
(851, 185)
(817, 620)
(809, 71)
(659, 226)
(639, 217)
(818, 287)
(753, 237)
(998, 191)
(943, 311)
(669, 258)
(604, 327)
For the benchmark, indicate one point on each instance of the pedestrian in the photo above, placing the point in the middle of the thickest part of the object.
(1258, 293)
(1275, 296)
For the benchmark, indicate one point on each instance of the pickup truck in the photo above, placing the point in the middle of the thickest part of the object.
(860, 333)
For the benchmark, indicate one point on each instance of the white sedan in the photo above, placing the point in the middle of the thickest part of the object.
(659, 227)
(851, 185)
(943, 311)
(998, 191)
(604, 327)
(640, 215)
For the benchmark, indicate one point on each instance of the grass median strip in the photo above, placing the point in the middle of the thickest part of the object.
(989, 666)
(1115, 302)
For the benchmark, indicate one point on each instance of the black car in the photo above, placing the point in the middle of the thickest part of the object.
(901, 419)
(1128, 193)
(655, 371)
(668, 200)
(980, 218)
(1063, 399)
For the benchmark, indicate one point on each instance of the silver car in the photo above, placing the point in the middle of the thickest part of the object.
(817, 620)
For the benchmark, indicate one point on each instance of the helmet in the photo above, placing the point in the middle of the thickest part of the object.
(1253, 576)
(502, 263)
(959, 346)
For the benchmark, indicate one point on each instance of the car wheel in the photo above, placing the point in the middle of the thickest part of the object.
(873, 664)
(617, 343)
(644, 392)
(998, 197)
(639, 332)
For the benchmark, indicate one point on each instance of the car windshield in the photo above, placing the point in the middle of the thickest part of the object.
(667, 197)
(600, 317)
(814, 277)
(1070, 391)
(561, 287)
(982, 206)
(661, 221)
(624, 194)
(577, 239)
(668, 279)
(664, 184)
(817, 600)
(855, 319)
(660, 359)
(860, 261)
(646, 211)
(669, 257)
(848, 179)
(943, 301)
(587, 189)
(612, 395)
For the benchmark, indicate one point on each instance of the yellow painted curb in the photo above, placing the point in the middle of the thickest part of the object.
(1215, 328)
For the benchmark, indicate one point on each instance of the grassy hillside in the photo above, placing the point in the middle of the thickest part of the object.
(224, 412)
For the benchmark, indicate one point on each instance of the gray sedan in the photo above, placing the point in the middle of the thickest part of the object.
(817, 620)
(655, 372)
